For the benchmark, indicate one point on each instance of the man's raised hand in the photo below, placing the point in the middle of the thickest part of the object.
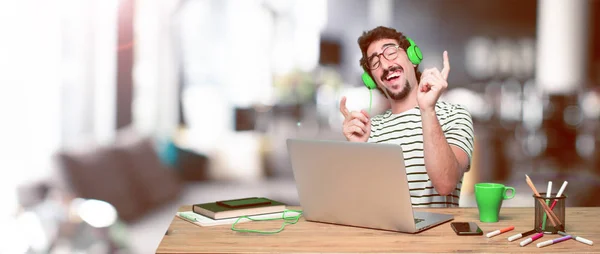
(357, 125)
(433, 83)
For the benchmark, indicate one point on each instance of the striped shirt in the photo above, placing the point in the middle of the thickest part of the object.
(405, 129)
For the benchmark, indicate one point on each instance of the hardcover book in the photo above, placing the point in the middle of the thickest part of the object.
(238, 207)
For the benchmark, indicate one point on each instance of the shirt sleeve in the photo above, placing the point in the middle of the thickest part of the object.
(460, 131)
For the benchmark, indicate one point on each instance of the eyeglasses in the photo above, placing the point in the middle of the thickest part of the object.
(390, 53)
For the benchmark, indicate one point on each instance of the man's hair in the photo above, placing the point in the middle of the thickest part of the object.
(380, 33)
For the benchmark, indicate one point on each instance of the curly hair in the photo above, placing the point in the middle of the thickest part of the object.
(380, 33)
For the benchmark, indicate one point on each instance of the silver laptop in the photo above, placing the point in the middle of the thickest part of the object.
(356, 184)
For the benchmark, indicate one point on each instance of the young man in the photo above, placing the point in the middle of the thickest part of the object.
(436, 137)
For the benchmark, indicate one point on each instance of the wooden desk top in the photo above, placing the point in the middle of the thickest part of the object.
(305, 236)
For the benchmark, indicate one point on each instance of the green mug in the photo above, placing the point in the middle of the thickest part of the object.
(489, 197)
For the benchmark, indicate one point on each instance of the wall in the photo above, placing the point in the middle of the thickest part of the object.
(435, 26)
(346, 20)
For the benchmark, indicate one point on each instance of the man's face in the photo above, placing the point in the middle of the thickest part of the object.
(397, 76)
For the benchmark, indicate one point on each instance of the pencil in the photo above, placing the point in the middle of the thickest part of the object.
(553, 218)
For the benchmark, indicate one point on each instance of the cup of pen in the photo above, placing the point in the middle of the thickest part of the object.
(543, 222)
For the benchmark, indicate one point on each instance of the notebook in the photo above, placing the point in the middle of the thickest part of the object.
(238, 207)
(206, 222)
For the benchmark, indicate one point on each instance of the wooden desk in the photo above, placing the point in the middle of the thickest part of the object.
(305, 236)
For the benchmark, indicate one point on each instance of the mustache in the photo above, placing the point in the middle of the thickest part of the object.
(391, 69)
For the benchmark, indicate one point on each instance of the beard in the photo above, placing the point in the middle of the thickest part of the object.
(398, 96)
(402, 94)
(405, 89)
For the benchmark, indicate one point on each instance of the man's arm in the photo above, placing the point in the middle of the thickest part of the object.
(445, 163)
(447, 155)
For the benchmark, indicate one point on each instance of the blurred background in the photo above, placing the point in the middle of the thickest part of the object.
(116, 112)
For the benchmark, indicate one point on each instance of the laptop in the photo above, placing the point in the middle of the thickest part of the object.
(356, 184)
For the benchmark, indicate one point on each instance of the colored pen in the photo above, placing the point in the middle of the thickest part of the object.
(517, 236)
(500, 231)
(548, 195)
(531, 239)
(560, 192)
(553, 241)
(577, 238)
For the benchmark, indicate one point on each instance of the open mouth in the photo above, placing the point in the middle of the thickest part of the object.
(392, 74)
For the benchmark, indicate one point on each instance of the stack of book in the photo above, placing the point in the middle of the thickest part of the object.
(228, 211)
(238, 207)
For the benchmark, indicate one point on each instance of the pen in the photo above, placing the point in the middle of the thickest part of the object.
(548, 195)
(577, 238)
(531, 239)
(517, 236)
(500, 231)
(553, 241)
(560, 192)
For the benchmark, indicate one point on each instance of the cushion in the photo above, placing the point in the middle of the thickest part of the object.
(128, 174)
(153, 182)
(97, 174)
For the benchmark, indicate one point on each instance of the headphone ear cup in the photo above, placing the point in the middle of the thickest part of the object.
(418, 54)
(369, 82)
(414, 52)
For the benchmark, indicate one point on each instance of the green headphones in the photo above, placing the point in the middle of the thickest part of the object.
(414, 55)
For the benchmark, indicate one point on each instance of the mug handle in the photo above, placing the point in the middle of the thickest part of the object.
(506, 188)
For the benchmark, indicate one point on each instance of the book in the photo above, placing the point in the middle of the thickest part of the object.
(204, 221)
(238, 207)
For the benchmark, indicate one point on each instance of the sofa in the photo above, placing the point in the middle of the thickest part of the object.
(128, 173)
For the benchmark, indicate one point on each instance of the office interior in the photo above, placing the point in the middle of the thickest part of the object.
(117, 112)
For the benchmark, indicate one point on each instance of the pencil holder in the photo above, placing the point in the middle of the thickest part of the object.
(542, 222)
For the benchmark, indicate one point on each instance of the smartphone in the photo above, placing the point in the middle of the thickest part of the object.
(244, 202)
(466, 228)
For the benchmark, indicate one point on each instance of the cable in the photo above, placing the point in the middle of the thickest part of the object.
(370, 100)
(290, 219)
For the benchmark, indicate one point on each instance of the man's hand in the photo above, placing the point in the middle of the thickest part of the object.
(432, 85)
(357, 125)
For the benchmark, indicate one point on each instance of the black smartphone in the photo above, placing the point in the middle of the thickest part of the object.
(466, 228)
(244, 202)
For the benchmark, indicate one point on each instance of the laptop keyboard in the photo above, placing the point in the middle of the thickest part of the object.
(417, 220)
